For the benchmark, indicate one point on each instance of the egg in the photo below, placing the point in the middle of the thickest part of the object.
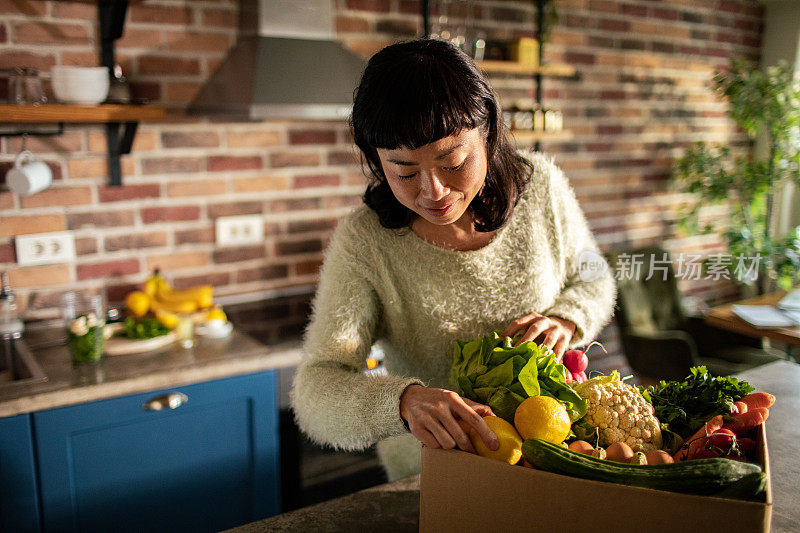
(619, 452)
(658, 457)
(581, 446)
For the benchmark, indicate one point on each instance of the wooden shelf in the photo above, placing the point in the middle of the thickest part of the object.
(72, 114)
(509, 67)
(525, 137)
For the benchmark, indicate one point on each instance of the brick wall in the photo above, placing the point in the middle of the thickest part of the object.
(642, 95)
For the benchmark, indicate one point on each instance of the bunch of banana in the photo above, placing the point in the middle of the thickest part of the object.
(165, 302)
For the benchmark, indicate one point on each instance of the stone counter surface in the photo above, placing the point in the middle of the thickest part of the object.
(121, 375)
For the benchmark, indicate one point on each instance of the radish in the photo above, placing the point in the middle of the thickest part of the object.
(576, 360)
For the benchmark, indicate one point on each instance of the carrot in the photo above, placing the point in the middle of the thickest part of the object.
(708, 428)
(740, 408)
(758, 399)
(743, 423)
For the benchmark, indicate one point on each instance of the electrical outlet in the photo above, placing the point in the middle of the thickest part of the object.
(239, 230)
(45, 248)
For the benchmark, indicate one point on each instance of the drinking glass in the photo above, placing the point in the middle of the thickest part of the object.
(84, 318)
(25, 87)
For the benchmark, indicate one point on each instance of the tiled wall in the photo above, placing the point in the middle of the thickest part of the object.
(643, 93)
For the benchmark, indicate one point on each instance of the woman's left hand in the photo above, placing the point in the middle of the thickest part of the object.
(557, 332)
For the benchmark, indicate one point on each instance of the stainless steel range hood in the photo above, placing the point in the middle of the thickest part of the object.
(285, 64)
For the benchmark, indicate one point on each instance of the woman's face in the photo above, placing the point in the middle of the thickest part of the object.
(439, 180)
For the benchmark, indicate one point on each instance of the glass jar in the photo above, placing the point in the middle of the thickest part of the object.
(25, 87)
(84, 319)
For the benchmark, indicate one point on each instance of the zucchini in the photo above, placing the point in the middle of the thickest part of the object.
(700, 476)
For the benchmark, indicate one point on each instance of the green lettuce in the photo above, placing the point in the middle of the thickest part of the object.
(494, 372)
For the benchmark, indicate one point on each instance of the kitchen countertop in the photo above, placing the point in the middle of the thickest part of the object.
(395, 506)
(121, 375)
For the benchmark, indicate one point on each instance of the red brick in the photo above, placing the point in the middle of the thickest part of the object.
(296, 204)
(100, 219)
(61, 196)
(298, 247)
(235, 208)
(6, 200)
(414, 7)
(116, 294)
(304, 226)
(23, 225)
(197, 42)
(253, 139)
(11, 58)
(108, 269)
(666, 14)
(151, 215)
(316, 180)
(220, 18)
(216, 279)
(399, 27)
(580, 58)
(85, 246)
(196, 188)
(185, 139)
(173, 165)
(177, 260)
(369, 5)
(147, 90)
(140, 38)
(129, 192)
(168, 65)
(261, 183)
(51, 34)
(333, 202)
(352, 25)
(3, 33)
(7, 253)
(69, 141)
(222, 163)
(294, 159)
(343, 158)
(15, 7)
(39, 276)
(160, 15)
(74, 10)
(262, 273)
(193, 236)
(614, 25)
(135, 241)
(182, 92)
(312, 137)
(307, 268)
(242, 253)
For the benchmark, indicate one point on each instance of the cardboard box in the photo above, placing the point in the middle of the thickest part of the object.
(462, 492)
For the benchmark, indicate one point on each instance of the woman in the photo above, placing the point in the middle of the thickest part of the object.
(460, 236)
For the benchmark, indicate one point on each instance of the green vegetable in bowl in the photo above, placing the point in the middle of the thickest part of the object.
(144, 328)
(494, 372)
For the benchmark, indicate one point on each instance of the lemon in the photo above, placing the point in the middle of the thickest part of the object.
(216, 314)
(510, 450)
(542, 417)
(138, 303)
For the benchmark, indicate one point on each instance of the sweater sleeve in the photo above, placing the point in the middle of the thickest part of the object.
(334, 401)
(589, 291)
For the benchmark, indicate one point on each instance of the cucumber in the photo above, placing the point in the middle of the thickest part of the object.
(700, 476)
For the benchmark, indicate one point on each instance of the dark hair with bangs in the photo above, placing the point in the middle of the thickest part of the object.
(417, 92)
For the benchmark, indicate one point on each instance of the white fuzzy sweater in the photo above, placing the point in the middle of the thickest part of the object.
(416, 298)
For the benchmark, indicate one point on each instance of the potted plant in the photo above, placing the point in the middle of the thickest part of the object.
(765, 103)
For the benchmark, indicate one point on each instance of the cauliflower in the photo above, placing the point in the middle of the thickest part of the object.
(621, 413)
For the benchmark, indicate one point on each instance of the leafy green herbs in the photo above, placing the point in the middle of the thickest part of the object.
(686, 405)
(144, 328)
(494, 372)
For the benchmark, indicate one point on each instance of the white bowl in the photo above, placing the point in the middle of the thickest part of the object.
(80, 85)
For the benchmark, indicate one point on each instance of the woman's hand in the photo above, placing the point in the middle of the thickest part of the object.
(557, 332)
(440, 418)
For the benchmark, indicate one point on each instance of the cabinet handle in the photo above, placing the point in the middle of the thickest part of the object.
(172, 400)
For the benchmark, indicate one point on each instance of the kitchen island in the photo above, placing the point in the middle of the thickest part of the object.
(395, 506)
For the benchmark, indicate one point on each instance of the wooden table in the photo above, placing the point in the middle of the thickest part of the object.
(395, 506)
(722, 317)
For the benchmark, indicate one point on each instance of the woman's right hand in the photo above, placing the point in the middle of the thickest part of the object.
(434, 417)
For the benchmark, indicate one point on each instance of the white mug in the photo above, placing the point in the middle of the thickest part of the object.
(28, 177)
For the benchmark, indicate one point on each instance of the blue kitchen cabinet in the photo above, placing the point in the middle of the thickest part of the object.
(208, 464)
(19, 505)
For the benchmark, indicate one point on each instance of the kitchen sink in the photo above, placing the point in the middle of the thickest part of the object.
(18, 366)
